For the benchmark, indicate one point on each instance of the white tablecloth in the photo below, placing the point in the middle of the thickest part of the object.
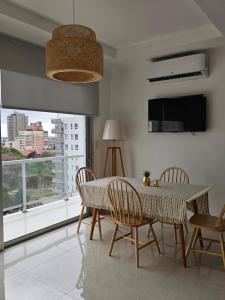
(168, 202)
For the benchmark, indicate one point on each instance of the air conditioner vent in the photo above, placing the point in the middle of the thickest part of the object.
(176, 76)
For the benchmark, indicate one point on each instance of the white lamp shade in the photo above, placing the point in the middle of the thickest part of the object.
(112, 130)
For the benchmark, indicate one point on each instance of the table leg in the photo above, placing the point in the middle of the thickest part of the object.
(182, 242)
(94, 217)
(195, 209)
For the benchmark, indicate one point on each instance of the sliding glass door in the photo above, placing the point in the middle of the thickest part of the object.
(41, 153)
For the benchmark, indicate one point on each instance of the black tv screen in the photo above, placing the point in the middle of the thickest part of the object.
(180, 114)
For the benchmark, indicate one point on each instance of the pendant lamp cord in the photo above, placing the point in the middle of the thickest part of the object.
(73, 11)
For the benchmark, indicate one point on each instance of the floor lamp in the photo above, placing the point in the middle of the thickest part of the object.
(112, 132)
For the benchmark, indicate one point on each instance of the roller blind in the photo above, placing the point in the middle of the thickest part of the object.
(24, 85)
(29, 92)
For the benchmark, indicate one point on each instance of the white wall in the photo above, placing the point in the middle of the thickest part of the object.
(202, 155)
(99, 146)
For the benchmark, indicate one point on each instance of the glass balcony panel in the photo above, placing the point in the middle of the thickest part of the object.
(72, 164)
(46, 180)
(12, 187)
(41, 187)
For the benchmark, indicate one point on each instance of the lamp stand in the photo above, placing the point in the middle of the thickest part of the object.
(114, 152)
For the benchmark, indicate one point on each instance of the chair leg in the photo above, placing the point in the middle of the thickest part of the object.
(190, 243)
(154, 237)
(175, 232)
(136, 247)
(162, 225)
(182, 243)
(149, 230)
(95, 211)
(131, 233)
(113, 239)
(99, 225)
(80, 218)
(196, 238)
(222, 248)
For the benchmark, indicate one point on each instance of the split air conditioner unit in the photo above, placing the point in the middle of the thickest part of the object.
(180, 68)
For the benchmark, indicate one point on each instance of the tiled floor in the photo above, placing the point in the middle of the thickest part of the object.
(62, 265)
(19, 224)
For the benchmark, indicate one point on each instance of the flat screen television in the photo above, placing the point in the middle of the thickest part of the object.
(180, 114)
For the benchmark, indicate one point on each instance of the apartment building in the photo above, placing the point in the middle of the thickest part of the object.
(31, 140)
(36, 126)
(69, 141)
(58, 166)
(16, 122)
(74, 144)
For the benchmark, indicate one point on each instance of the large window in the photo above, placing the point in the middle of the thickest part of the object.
(39, 164)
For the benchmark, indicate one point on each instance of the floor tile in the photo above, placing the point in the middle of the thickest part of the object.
(66, 297)
(23, 287)
(10, 272)
(25, 260)
(61, 273)
(62, 265)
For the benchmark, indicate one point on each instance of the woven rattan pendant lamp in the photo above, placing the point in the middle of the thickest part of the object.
(73, 54)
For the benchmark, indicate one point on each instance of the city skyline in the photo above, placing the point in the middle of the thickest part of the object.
(33, 116)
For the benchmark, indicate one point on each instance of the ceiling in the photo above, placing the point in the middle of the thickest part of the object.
(121, 23)
(132, 31)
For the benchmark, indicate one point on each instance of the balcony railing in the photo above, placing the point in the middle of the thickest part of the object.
(37, 181)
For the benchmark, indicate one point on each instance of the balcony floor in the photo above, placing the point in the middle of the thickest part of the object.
(19, 223)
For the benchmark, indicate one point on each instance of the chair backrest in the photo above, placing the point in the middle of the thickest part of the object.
(125, 202)
(174, 175)
(83, 175)
(220, 224)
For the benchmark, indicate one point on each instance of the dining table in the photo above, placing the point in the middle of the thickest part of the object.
(168, 202)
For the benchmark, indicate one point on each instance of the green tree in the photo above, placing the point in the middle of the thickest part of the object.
(11, 181)
(39, 178)
(11, 154)
(39, 174)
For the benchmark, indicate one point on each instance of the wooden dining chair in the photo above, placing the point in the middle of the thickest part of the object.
(126, 210)
(83, 175)
(174, 175)
(210, 223)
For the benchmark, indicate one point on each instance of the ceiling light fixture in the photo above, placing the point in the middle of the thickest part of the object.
(73, 54)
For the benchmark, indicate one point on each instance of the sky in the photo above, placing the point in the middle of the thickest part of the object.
(33, 116)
